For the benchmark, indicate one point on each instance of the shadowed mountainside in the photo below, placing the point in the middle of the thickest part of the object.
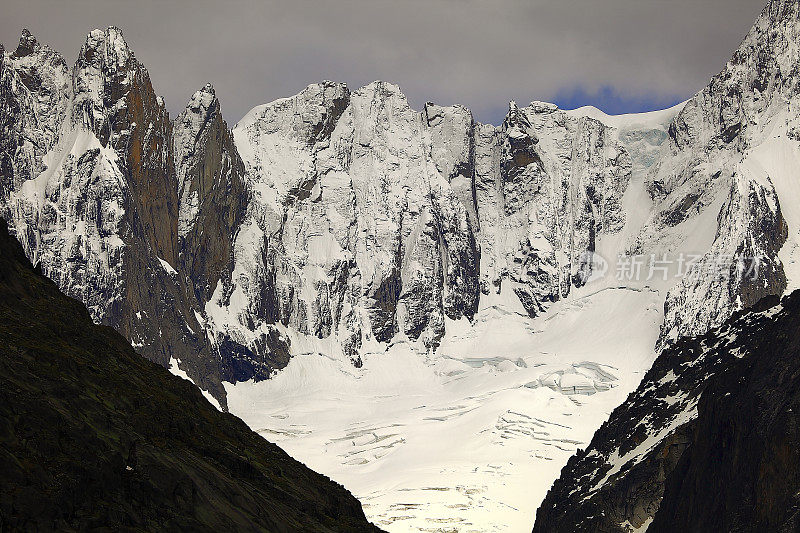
(93, 435)
(708, 442)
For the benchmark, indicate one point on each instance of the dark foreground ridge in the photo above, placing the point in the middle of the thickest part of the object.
(93, 435)
(708, 442)
(741, 471)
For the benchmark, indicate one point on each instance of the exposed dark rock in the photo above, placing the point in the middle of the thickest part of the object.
(27, 44)
(741, 469)
(269, 352)
(93, 436)
(617, 483)
(211, 190)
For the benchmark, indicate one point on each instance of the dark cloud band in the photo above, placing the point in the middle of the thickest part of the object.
(477, 52)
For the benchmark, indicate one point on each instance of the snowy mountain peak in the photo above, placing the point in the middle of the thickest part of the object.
(542, 107)
(203, 97)
(383, 88)
(203, 101)
(105, 72)
(201, 110)
(305, 117)
(34, 89)
(210, 187)
(105, 49)
(27, 44)
(735, 135)
(31, 55)
(516, 122)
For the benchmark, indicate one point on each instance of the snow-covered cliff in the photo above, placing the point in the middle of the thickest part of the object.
(353, 219)
(731, 159)
(379, 221)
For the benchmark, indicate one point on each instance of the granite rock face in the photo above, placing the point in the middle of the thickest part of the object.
(34, 89)
(352, 218)
(94, 195)
(376, 220)
(549, 184)
(710, 163)
(211, 191)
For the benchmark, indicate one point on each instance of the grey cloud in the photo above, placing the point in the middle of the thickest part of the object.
(477, 52)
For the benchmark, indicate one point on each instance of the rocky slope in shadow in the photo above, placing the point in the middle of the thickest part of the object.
(706, 443)
(741, 470)
(92, 435)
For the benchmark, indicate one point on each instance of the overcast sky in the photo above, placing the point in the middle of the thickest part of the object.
(621, 55)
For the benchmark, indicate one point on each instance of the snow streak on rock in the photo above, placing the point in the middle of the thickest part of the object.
(377, 221)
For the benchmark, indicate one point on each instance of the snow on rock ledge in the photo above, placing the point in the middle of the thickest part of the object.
(369, 220)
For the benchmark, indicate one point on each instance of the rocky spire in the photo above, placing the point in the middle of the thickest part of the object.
(103, 74)
(34, 87)
(27, 44)
(105, 48)
(210, 187)
(204, 97)
(189, 142)
(516, 119)
(201, 108)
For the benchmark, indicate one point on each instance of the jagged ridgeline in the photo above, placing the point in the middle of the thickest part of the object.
(348, 221)
(89, 189)
(95, 436)
(330, 213)
(708, 440)
(351, 217)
